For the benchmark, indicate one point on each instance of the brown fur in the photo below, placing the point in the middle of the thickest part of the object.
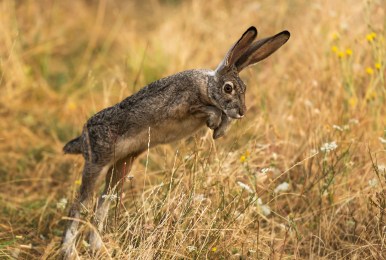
(164, 111)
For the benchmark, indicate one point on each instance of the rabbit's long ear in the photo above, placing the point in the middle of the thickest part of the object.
(238, 49)
(261, 49)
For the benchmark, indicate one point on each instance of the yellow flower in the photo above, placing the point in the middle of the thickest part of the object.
(214, 249)
(369, 71)
(371, 36)
(78, 182)
(353, 101)
(341, 54)
(378, 65)
(335, 36)
(334, 49)
(245, 156)
(348, 52)
(71, 106)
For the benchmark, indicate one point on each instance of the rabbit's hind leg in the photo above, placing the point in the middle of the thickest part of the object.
(89, 177)
(115, 179)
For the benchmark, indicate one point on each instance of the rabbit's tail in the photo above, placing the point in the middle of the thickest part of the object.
(73, 147)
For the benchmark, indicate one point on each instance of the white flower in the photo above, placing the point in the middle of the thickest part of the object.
(199, 197)
(245, 187)
(266, 170)
(328, 147)
(383, 140)
(373, 183)
(62, 203)
(191, 248)
(265, 209)
(354, 121)
(111, 197)
(282, 187)
(337, 128)
(381, 168)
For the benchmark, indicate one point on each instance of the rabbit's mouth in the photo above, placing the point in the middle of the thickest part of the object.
(234, 113)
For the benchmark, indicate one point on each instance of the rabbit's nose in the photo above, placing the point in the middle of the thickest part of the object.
(240, 115)
(241, 112)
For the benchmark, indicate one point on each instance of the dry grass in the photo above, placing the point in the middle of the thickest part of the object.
(62, 61)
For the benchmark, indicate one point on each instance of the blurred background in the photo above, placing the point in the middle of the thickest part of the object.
(301, 177)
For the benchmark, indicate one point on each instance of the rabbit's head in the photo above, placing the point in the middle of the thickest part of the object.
(227, 90)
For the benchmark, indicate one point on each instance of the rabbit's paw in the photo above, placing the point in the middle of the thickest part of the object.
(212, 114)
(213, 121)
(218, 132)
(223, 127)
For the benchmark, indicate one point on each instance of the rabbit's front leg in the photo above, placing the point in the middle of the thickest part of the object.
(223, 127)
(216, 119)
(212, 114)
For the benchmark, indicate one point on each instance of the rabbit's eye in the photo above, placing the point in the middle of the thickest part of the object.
(228, 88)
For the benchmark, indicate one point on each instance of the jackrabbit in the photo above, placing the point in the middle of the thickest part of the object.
(164, 111)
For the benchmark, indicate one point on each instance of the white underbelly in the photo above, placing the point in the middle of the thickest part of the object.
(172, 131)
(164, 133)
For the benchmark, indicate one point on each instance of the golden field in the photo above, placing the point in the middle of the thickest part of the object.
(302, 176)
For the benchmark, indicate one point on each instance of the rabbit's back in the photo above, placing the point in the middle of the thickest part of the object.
(159, 113)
